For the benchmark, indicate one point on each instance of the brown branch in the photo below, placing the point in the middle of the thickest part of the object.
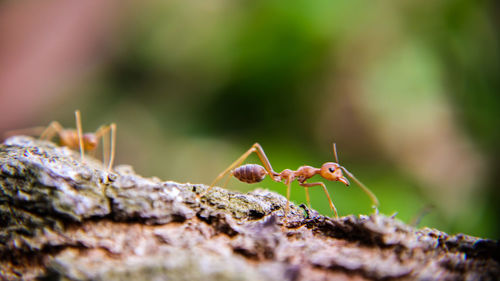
(64, 219)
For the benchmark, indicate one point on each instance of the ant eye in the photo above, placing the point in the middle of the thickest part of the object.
(331, 170)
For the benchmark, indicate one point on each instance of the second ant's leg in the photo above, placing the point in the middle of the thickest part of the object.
(305, 184)
(33, 131)
(101, 133)
(113, 146)
(79, 132)
(53, 128)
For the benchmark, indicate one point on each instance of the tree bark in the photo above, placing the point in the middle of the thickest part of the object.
(66, 219)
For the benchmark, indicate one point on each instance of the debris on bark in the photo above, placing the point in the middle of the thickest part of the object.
(66, 219)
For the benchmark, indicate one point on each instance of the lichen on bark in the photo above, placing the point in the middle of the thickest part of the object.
(67, 219)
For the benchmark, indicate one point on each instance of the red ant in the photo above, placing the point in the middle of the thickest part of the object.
(75, 139)
(253, 173)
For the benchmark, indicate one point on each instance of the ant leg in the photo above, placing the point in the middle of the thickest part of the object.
(363, 187)
(305, 184)
(227, 180)
(265, 161)
(307, 197)
(288, 182)
(34, 131)
(113, 146)
(232, 166)
(100, 133)
(79, 132)
(260, 153)
(53, 128)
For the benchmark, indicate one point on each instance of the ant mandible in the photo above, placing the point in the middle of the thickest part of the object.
(253, 173)
(75, 139)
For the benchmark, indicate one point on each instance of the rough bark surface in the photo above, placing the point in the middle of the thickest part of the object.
(64, 219)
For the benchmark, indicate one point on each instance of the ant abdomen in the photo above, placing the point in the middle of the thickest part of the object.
(250, 173)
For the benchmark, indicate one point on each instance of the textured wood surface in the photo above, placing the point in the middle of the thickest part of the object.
(64, 219)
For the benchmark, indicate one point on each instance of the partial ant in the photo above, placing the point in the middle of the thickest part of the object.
(75, 139)
(253, 173)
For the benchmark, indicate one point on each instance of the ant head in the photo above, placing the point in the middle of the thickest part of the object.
(333, 172)
(90, 141)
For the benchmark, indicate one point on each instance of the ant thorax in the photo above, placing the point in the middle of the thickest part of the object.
(304, 173)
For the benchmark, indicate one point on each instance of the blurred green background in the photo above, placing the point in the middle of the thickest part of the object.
(407, 89)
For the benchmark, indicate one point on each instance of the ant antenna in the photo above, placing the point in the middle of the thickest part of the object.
(363, 187)
(335, 152)
(360, 184)
(79, 132)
